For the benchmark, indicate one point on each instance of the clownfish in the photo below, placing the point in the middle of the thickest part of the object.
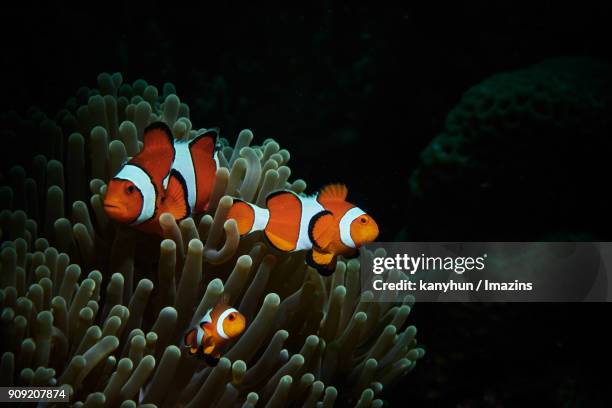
(168, 175)
(325, 225)
(218, 326)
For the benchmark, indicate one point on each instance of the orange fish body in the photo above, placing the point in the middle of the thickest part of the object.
(166, 176)
(325, 225)
(218, 326)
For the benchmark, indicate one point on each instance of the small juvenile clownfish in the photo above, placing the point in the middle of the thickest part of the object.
(325, 225)
(218, 326)
(168, 175)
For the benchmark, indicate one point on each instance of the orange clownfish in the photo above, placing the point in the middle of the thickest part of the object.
(168, 175)
(325, 225)
(218, 326)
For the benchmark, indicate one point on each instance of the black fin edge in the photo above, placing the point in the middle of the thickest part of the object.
(268, 197)
(312, 223)
(167, 131)
(163, 127)
(324, 270)
(279, 192)
(238, 200)
(181, 180)
(212, 133)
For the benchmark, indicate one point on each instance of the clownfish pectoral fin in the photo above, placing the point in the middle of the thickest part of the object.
(207, 329)
(321, 229)
(324, 262)
(175, 201)
(333, 192)
(157, 153)
(208, 345)
(244, 215)
(283, 228)
(208, 341)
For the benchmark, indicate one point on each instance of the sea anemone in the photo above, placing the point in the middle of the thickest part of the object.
(101, 309)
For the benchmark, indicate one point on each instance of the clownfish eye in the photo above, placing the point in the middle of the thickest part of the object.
(231, 317)
(130, 189)
(363, 220)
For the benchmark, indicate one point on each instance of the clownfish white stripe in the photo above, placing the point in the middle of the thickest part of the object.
(184, 165)
(199, 335)
(220, 321)
(144, 184)
(262, 216)
(216, 157)
(206, 319)
(310, 207)
(345, 225)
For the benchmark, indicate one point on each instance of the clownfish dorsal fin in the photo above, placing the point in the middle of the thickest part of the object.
(157, 154)
(333, 192)
(176, 201)
(321, 229)
(324, 262)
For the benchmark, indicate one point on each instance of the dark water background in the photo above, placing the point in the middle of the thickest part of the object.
(355, 94)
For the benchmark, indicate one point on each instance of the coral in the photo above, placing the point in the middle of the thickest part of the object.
(101, 309)
(517, 138)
